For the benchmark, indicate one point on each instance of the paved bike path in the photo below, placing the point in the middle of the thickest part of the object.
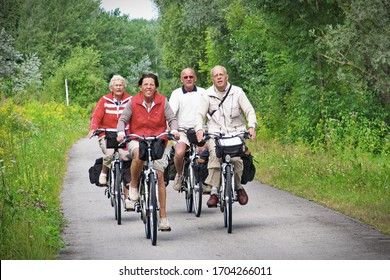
(275, 225)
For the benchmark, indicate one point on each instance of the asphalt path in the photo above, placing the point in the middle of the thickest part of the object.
(274, 225)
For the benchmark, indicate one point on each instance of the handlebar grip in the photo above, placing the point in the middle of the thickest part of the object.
(171, 136)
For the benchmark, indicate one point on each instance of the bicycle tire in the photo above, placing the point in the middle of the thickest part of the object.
(228, 214)
(153, 208)
(113, 192)
(188, 193)
(118, 192)
(197, 191)
(221, 198)
(144, 204)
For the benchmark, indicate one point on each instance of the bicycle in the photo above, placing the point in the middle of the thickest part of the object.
(192, 184)
(148, 203)
(228, 147)
(115, 182)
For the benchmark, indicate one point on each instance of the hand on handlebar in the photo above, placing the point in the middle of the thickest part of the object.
(176, 135)
(199, 135)
(120, 138)
(94, 132)
(91, 133)
(252, 133)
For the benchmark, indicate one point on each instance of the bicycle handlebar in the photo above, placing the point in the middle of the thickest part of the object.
(245, 134)
(99, 130)
(149, 138)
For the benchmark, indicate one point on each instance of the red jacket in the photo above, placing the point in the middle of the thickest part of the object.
(108, 111)
(147, 123)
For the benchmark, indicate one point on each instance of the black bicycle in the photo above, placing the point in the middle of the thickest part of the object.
(115, 180)
(148, 203)
(228, 147)
(192, 179)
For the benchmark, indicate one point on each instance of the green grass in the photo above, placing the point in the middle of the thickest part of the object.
(357, 185)
(34, 141)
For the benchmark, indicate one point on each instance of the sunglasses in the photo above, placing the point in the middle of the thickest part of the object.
(188, 77)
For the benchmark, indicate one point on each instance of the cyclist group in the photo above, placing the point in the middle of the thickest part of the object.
(222, 108)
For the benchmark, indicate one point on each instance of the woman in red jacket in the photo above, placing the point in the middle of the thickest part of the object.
(105, 116)
(148, 114)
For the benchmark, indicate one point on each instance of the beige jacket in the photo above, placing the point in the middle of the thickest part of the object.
(230, 117)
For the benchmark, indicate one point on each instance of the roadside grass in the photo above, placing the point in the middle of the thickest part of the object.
(349, 182)
(34, 141)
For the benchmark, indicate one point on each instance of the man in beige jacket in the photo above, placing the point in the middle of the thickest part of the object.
(228, 117)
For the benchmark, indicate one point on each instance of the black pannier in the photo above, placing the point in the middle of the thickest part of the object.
(249, 171)
(201, 166)
(170, 170)
(94, 171)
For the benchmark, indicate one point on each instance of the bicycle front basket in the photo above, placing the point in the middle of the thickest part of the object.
(111, 142)
(158, 148)
(232, 146)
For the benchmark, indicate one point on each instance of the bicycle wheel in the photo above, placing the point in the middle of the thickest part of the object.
(197, 191)
(118, 192)
(153, 208)
(228, 199)
(189, 189)
(144, 198)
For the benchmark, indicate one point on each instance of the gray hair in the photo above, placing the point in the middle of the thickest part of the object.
(115, 78)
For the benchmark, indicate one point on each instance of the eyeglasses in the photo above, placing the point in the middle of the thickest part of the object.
(188, 77)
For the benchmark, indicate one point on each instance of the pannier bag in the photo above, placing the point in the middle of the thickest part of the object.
(170, 170)
(232, 146)
(94, 171)
(111, 141)
(158, 148)
(249, 171)
(201, 166)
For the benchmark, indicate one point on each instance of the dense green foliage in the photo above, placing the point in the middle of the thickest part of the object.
(317, 71)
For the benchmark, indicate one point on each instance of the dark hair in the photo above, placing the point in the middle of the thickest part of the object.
(148, 75)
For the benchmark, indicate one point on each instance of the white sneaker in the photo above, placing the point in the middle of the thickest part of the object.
(103, 179)
(130, 204)
(163, 225)
(177, 184)
(133, 194)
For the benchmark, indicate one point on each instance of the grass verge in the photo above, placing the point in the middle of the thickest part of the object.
(354, 184)
(34, 141)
